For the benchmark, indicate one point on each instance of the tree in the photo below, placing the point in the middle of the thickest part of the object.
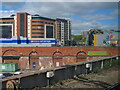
(77, 37)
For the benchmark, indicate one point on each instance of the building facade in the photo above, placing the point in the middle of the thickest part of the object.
(63, 30)
(109, 39)
(26, 28)
(97, 37)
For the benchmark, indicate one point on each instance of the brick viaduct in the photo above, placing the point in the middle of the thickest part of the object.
(37, 57)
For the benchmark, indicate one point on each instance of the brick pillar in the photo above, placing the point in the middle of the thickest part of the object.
(24, 62)
(0, 59)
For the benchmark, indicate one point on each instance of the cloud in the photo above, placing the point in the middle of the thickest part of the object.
(12, 5)
(62, 8)
(13, 0)
(98, 17)
(68, 9)
(7, 13)
(60, 0)
(79, 26)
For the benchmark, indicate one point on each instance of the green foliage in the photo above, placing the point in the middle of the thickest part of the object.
(106, 65)
(96, 70)
(109, 64)
(113, 45)
(77, 37)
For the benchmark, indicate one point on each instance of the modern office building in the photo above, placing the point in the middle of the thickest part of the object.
(29, 26)
(62, 30)
(25, 28)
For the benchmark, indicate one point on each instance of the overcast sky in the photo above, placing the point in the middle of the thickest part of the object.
(83, 15)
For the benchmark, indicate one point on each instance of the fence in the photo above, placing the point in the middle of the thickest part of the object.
(51, 76)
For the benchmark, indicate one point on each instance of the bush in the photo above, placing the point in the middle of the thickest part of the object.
(96, 70)
(113, 45)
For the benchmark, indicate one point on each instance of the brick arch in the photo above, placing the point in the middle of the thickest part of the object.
(11, 56)
(33, 60)
(10, 52)
(57, 58)
(2, 52)
(57, 55)
(33, 53)
(57, 52)
(81, 55)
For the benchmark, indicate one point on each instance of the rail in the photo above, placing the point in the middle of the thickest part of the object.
(115, 86)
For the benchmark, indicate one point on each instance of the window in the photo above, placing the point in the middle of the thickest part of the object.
(43, 18)
(6, 22)
(6, 31)
(21, 24)
(49, 31)
(38, 29)
(9, 22)
(6, 18)
(37, 21)
(37, 33)
(37, 36)
(38, 25)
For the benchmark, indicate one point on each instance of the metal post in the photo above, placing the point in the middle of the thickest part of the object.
(102, 65)
(0, 84)
(48, 82)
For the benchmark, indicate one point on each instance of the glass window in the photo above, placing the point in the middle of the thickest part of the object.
(37, 33)
(37, 36)
(38, 25)
(21, 24)
(43, 18)
(37, 21)
(38, 29)
(6, 31)
(49, 31)
(6, 18)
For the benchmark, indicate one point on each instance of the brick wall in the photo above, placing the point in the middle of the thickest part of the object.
(45, 55)
(48, 51)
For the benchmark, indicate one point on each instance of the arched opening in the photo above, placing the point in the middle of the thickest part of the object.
(11, 56)
(81, 56)
(33, 60)
(57, 58)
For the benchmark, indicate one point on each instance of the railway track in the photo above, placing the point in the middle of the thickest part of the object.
(115, 86)
(95, 82)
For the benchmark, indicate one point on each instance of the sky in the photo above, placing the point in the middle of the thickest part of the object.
(83, 15)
